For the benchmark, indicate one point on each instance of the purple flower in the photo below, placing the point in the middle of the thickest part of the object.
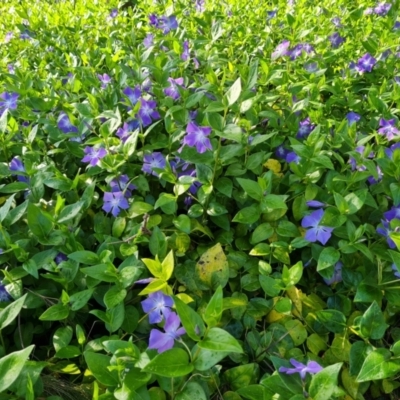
(93, 155)
(308, 48)
(371, 180)
(9, 101)
(10, 68)
(271, 14)
(151, 161)
(196, 63)
(153, 20)
(126, 130)
(396, 26)
(197, 136)
(165, 341)
(147, 112)
(70, 75)
(382, 8)
(8, 37)
(306, 127)
(393, 213)
(311, 67)
(353, 162)
(352, 117)
(60, 257)
(385, 231)
(114, 13)
(336, 40)
(296, 51)
(122, 184)
(315, 204)
(292, 157)
(317, 232)
(387, 128)
(115, 202)
(186, 54)
(157, 305)
(64, 124)
(396, 271)
(167, 24)
(172, 90)
(336, 21)
(132, 94)
(312, 367)
(385, 55)
(4, 295)
(281, 152)
(391, 149)
(16, 165)
(148, 40)
(365, 63)
(199, 5)
(337, 274)
(104, 79)
(25, 35)
(281, 50)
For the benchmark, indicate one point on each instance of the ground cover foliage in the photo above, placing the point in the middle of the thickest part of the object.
(199, 200)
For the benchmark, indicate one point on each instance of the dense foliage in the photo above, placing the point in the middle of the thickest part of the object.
(199, 200)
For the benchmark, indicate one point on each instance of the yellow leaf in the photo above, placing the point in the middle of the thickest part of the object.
(212, 269)
(294, 294)
(185, 298)
(167, 266)
(153, 286)
(274, 166)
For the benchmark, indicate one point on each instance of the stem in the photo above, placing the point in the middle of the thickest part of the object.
(2, 342)
(187, 348)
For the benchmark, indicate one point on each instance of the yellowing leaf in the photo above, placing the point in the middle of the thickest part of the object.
(294, 294)
(153, 286)
(212, 269)
(274, 166)
(185, 298)
(167, 266)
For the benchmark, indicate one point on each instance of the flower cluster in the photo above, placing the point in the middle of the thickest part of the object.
(158, 306)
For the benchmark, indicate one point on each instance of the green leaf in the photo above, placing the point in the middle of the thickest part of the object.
(218, 339)
(62, 337)
(248, 215)
(233, 93)
(182, 222)
(213, 311)
(378, 365)
(55, 313)
(333, 320)
(6, 208)
(272, 202)
(85, 257)
(114, 296)
(80, 299)
(102, 272)
(356, 200)
(292, 276)
(373, 324)
(252, 188)
(171, 363)
(329, 256)
(206, 359)
(11, 366)
(263, 232)
(192, 391)
(324, 383)
(39, 222)
(191, 321)
(69, 212)
(97, 364)
(9, 313)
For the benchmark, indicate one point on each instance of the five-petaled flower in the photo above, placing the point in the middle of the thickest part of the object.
(104, 79)
(132, 94)
(147, 112)
(151, 161)
(388, 128)
(93, 155)
(197, 136)
(157, 305)
(115, 202)
(385, 231)
(126, 130)
(167, 24)
(16, 165)
(172, 90)
(9, 101)
(305, 128)
(122, 184)
(165, 341)
(148, 40)
(281, 50)
(317, 232)
(113, 13)
(353, 117)
(336, 40)
(65, 124)
(365, 63)
(312, 367)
